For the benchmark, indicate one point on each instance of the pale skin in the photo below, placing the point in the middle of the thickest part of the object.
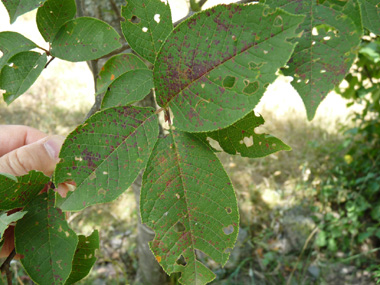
(23, 149)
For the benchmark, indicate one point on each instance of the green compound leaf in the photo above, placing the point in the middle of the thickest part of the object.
(52, 15)
(146, 26)
(105, 154)
(46, 241)
(12, 43)
(214, 67)
(17, 8)
(188, 199)
(371, 15)
(16, 192)
(21, 72)
(84, 39)
(331, 34)
(6, 220)
(130, 87)
(84, 258)
(240, 138)
(116, 66)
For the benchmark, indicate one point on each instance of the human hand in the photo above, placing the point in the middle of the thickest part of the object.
(23, 149)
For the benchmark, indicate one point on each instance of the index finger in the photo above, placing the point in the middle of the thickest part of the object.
(15, 136)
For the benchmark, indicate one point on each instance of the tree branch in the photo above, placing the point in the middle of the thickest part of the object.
(6, 265)
(116, 10)
(79, 8)
(124, 47)
(201, 3)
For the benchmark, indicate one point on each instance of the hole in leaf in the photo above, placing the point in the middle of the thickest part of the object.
(314, 32)
(145, 29)
(323, 71)
(250, 87)
(157, 18)
(327, 38)
(135, 19)
(228, 250)
(1, 53)
(228, 230)
(181, 261)
(215, 144)
(229, 81)
(248, 141)
(278, 22)
(228, 210)
(179, 227)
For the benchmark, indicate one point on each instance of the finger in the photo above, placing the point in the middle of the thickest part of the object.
(41, 155)
(12, 137)
(9, 243)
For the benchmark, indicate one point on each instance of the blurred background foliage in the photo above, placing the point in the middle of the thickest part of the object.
(310, 216)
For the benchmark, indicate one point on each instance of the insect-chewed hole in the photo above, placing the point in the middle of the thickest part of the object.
(135, 19)
(179, 227)
(228, 230)
(181, 261)
(228, 210)
(228, 250)
(157, 18)
(250, 87)
(248, 141)
(229, 81)
(144, 29)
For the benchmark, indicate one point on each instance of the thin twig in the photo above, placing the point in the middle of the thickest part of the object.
(116, 10)
(6, 265)
(44, 49)
(201, 3)
(124, 47)
(300, 256)
(50, 60)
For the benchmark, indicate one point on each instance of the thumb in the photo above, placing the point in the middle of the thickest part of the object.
(41, 155)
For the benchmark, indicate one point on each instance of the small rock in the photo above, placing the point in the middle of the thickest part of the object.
(314, 271)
